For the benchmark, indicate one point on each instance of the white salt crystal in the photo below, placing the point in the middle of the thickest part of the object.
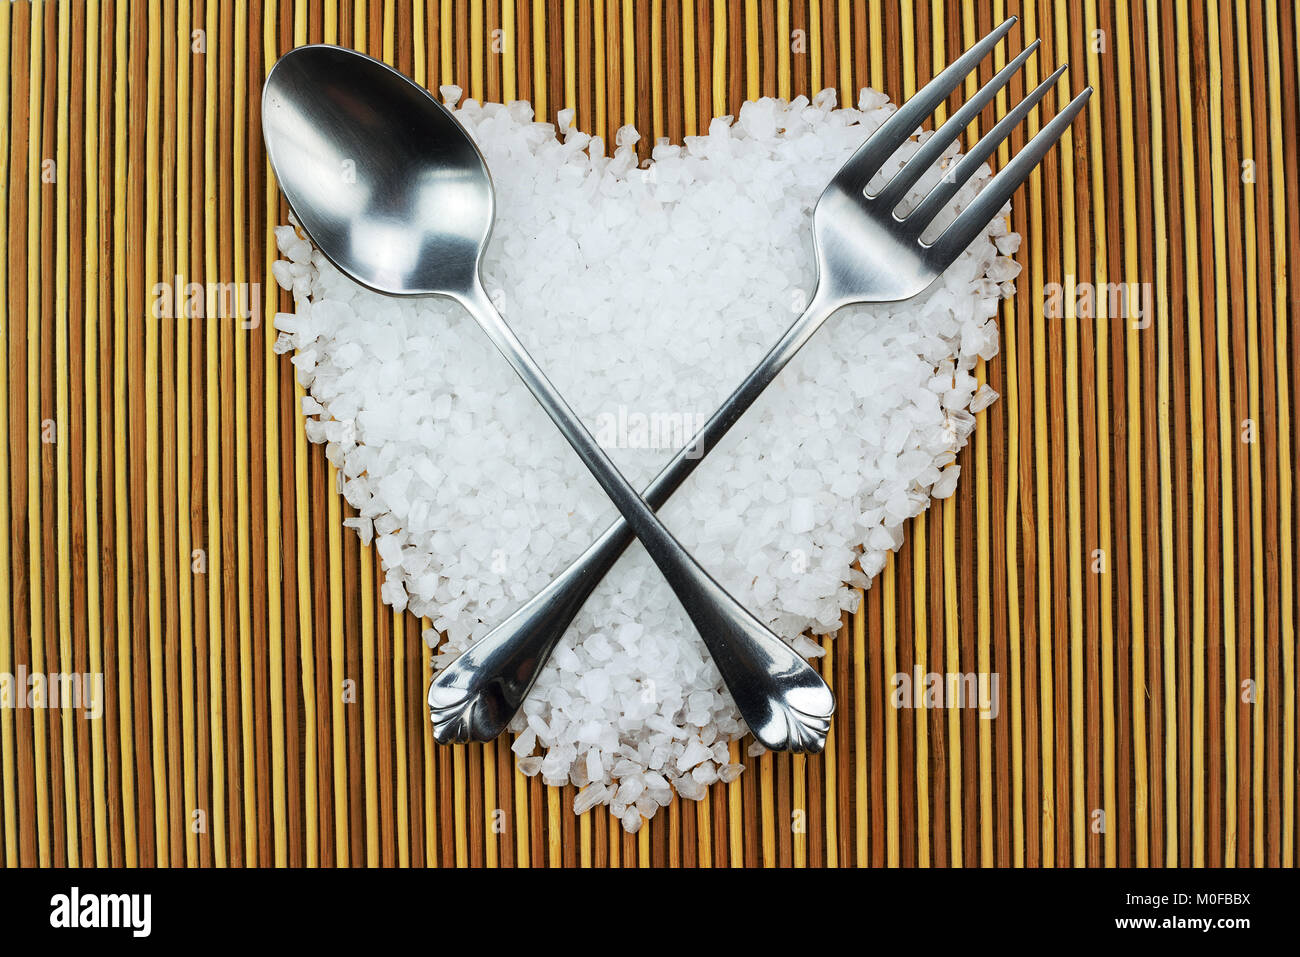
(530, 766)
(595, 685)
(983, 398)
(691, 789)
(801, 515)
(589, 797)
(695, 753)
(631, 820)
(807, 647)
(282, 274)
(947, 483)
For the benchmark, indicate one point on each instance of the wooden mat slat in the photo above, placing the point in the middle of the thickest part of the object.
(1120, 549)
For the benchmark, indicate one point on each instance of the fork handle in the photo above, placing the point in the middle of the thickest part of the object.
(784, 702)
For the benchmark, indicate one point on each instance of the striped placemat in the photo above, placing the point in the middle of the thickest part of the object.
(1120, 551)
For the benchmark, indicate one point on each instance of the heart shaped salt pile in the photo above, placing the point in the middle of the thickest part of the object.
(646, 295)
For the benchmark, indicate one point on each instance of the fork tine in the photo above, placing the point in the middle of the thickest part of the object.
(882, 144)
(921, 217)
(894, 191)
(975, 217)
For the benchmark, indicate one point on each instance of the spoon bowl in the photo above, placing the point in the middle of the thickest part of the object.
(404, 208)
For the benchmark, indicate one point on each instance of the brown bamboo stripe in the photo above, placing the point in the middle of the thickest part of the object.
(1120, 551)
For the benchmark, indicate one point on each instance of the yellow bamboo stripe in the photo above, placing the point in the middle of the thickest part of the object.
(182, 570)
(554, 849)
(522, 817)
(215, 567)
(369, 699)
(509, 82)
(782, 45)
(703, 821)
(1047, 742)
(1074, 504)
(243, 511)
(689, 122)
(815, 46)
(1285, 460)
(584, 839)
(1187, 129)
(1264, 691)
(800, 807)
(63, 433)
(656, 69)
(861, 785)
(306, 655)
(7, 745)
(420, 73)
(570, 62)
(907, 27)
(848, 96)
(971, 36)
(340, 695)
(831, 775)
(889, 637)
(984, 632)
(490, 803)
(476, 47)
(751, 50)
(952, 665)
(1163, 406)
(153, 531)
(720, 65)
(1133, 398)
(1101, 375)
(461, 816)
(36, 431)
(598, 72)
(444, 45)
(630, 27)
(307, 659)
(766, 769)
(273, 507)
(920, 640)
(398, 664)
(1227, 438)
(876, 39)
(938, 57)
(539, 56)
(1011, 531)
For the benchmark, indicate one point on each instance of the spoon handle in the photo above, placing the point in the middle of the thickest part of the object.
(782, 699)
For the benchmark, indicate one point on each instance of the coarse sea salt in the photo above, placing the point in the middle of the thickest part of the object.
(646, 293)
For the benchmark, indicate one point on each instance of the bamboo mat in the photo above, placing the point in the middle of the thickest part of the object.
(1120, 549)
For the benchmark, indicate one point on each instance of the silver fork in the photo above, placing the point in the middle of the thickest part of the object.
(866, 253)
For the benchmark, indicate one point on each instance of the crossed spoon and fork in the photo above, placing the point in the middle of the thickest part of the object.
(414, 221)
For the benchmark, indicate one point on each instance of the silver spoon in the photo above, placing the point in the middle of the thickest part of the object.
(393, 191)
